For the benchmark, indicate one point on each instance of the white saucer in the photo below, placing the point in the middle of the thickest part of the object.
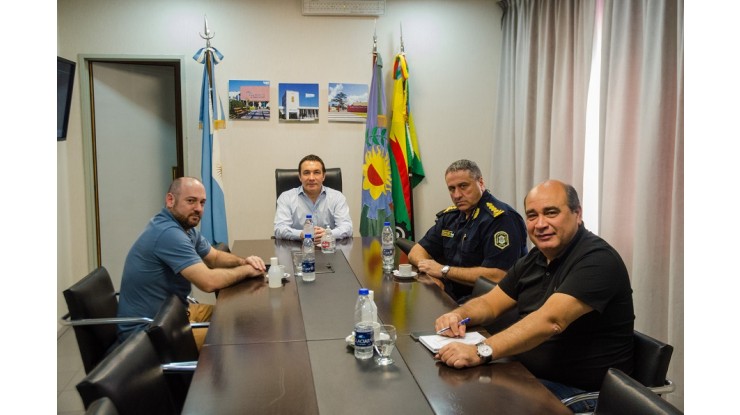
(397, 274)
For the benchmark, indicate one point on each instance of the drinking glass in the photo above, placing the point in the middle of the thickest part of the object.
(385, 342)
(297, 263)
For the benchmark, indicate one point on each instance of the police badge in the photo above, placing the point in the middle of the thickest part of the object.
(501, 239)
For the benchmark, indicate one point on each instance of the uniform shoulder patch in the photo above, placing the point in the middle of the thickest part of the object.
(452, 208)
(494, 210)
(501, 239)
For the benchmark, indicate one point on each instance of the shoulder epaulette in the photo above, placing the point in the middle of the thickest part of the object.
(452, 208)
(494, 210)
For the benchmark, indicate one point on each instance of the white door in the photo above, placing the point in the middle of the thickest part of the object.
(135, 139)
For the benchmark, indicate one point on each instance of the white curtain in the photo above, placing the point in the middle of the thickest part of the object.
(543, 86)
(642, 162)
(541, 125)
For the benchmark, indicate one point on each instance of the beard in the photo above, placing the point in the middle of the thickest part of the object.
(187, 221)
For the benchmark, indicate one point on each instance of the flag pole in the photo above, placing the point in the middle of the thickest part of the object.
(211, 119)
(375, 39)
(401, 24)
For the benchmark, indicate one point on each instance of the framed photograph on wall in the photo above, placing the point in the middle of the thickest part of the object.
(298, 102)
(348, 102)
(249, 100)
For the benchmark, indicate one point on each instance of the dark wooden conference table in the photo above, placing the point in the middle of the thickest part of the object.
(283, 350)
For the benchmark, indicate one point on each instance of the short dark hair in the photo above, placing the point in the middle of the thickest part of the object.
(312, 157)
(572, 196)
(468, 165)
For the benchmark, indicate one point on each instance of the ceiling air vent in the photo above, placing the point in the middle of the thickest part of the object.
(344, 7)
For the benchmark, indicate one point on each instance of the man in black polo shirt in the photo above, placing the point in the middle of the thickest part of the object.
(478, 236)
(573, 296)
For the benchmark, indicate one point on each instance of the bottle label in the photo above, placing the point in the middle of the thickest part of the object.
(388, 252)
(363, 335)
(308, 266)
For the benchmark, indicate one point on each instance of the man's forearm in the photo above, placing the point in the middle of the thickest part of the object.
(226, 260)
(468, 276)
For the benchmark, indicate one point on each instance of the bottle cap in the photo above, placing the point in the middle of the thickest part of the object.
(387, 224)
(308, 235)
(364, 291)
(273, 261)
(309, 216)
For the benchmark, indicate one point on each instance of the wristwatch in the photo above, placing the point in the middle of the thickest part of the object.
(484, 352)
(445, 270)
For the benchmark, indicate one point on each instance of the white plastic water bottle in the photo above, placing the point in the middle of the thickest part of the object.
(387, 246)
(274, 274)
(328, 243)
(308, 225)
(308, 268)
(364, 325)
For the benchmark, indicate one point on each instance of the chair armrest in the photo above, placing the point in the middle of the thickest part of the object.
(98, 321)
(658, 390)
(200, 324)
(180, 367)
(662, 390)
(580, 397)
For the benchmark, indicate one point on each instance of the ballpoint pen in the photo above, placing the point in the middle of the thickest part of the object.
(461, 323)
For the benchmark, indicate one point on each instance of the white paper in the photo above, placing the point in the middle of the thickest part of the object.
(434, 342)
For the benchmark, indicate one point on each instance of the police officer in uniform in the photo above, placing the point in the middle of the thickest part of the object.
(478, 236)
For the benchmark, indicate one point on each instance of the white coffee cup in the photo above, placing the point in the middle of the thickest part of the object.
(405, 270)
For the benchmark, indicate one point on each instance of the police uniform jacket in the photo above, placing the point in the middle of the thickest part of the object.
(494, 236)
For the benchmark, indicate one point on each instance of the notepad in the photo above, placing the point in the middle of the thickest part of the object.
(434, 342)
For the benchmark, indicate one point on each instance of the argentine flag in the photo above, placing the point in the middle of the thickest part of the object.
(213, 224)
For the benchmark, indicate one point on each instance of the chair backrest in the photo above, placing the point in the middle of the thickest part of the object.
(405, 245)
(172, 338)
(483, 285)
(132, 377)
(620, 394)
(286, 179)
(93, 297)
(651, 360)
(171, 333)
(102, 406)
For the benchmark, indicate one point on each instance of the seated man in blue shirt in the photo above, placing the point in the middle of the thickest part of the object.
(327, 206)
(478, 236)
(171, 254)
(574, 300)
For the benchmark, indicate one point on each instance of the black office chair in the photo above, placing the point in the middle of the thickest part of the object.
(171, 335)
(132, 378)
(484, 285)
(620, 394)
(286, 179)
(651, 360)
(405, 245)
(93, 307)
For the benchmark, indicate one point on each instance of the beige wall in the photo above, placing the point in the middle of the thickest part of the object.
(452, 48)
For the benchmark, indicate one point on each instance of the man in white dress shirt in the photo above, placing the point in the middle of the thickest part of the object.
(327, 206)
